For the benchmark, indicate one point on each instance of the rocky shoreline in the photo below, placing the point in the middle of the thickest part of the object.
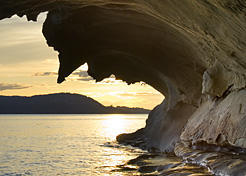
(193, 52)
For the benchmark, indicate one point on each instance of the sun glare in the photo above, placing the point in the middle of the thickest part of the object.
(114, 125)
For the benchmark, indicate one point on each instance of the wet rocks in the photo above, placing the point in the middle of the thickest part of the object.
(219, 163)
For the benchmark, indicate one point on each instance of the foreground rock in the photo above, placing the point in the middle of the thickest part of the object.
(215, 159)
(193, 52)
(159, 164)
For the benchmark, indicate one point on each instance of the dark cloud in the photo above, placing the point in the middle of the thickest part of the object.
(11, 86)
(83, 76)
(45, 74)
(81, 73)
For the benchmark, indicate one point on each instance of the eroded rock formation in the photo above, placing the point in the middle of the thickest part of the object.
(191, 51)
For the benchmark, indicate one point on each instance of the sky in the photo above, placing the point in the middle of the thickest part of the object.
(29, 67)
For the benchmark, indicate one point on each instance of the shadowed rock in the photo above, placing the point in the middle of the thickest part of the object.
(193, 52)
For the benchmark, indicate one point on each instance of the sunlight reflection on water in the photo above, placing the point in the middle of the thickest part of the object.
(79, 145)
(64, 144)
(114, 125)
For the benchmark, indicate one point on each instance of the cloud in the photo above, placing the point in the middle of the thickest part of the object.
(11, 86)
(83, 76)
(81, 73)
(85, 79)
(138, 94)
(111, 80)
(45, 74)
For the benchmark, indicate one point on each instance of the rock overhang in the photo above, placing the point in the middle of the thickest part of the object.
(133, 46)
(187, 50)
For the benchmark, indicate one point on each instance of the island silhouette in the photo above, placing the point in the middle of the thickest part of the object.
(60, 103)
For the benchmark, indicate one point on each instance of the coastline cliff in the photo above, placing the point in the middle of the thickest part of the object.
(193, 52)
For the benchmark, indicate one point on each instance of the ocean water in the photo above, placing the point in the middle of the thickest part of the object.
(76, 145)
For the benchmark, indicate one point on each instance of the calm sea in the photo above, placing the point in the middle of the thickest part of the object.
(65, 144)
(78, 145)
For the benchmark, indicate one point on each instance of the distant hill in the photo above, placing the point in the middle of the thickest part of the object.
(60, 103)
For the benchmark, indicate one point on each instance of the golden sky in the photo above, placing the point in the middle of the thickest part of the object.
(29, 67)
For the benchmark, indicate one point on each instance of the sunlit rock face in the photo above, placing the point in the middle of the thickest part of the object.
(191, 51)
